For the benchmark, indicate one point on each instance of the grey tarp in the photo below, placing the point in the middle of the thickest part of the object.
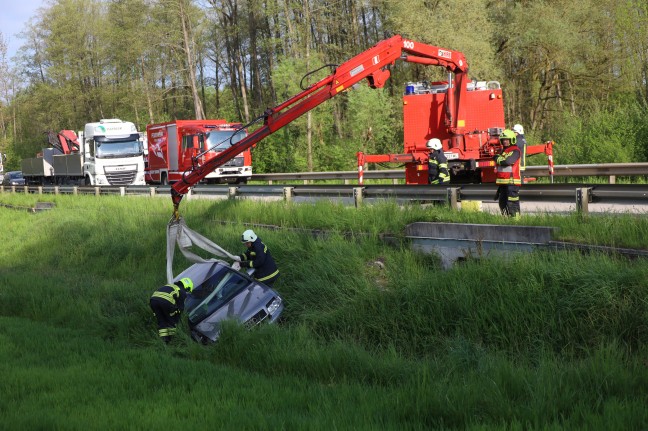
(178, 233)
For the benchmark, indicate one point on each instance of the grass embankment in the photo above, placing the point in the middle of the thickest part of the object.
(543, 340)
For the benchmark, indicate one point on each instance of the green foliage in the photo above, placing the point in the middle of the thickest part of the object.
(372, 122)
(602, 134)
(557, 343)
(571, 71)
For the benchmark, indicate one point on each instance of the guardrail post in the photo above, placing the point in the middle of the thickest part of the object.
(97, 191)
(612, 179)
(189, 193)
(2, 189)
(13, 189)
(288, 193)
(583, 198)
(231, 192)
(57, 190)
(40, 190)
(26, 190)
(454, 198)
(358, 195)
(75, 190)
(152, 191)
(122, 191)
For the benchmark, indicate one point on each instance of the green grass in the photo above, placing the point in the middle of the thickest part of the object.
(537, 341)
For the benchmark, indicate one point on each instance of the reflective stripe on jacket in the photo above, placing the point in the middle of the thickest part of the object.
(438, 168)
(171, 293)
(259, 258)
(508, 166)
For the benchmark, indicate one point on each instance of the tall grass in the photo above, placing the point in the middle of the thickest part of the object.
(540, 340)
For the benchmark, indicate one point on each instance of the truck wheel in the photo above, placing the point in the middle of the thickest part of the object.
(87, 181)
(164, 180)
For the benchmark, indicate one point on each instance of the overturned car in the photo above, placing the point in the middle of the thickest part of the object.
(222, 293)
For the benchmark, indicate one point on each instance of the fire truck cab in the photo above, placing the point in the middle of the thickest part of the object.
(177, 147)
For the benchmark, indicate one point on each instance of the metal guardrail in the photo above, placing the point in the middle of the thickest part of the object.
(611, 170)
(580, 194)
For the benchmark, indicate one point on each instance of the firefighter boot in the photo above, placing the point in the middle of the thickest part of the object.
(513, 209)
(503, 204)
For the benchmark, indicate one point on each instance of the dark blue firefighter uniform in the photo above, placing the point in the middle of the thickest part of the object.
(258, 257)
(167, 304)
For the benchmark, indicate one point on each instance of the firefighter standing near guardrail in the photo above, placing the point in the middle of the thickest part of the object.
(167, 304)
(521, 143)
(508, 178)
(437, 163)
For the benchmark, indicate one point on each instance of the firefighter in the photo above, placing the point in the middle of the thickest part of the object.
(167, 304)
(521, 143)
(508, 178)
(258, 256)
(437, 163)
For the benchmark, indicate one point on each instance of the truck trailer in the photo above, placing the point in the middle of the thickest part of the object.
(106, 153)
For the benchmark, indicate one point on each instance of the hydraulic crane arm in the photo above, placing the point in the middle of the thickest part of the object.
(371, 64)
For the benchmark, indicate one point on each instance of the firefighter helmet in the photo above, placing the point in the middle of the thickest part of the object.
(508, 135)
(434, 144)
(518, 129)
(188, 284)
(248, 236)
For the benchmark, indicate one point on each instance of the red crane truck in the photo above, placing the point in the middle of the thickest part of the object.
(177, 147)
(457, 116)
(469, 147)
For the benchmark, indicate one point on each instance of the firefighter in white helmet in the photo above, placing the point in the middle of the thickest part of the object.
(521, 143)
(258, 256)
(437, 163)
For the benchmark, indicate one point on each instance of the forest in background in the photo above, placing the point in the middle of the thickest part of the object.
(574, 72)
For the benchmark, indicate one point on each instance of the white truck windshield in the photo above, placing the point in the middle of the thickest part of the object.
(115, 149)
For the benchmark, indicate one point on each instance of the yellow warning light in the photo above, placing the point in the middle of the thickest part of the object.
(461, 123)
(340, 88)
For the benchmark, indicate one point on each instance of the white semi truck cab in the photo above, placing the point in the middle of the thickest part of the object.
(113, 153)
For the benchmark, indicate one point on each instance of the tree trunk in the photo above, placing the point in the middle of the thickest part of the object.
(191, 61)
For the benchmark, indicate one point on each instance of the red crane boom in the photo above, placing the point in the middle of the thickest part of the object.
(370, 64)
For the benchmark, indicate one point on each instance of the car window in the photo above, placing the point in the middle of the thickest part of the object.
(212, 294)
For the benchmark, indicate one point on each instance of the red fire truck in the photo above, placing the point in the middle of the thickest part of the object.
(177, 147)
(469, 146)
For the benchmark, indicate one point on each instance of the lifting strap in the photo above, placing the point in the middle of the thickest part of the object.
(178, 233)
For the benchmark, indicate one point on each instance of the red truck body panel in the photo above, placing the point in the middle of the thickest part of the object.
(423, 119)
(177, 146)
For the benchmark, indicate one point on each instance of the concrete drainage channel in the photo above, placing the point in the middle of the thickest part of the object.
(40, 206)
(454, 242)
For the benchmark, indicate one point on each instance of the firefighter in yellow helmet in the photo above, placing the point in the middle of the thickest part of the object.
(508, 177)
(167, 304)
